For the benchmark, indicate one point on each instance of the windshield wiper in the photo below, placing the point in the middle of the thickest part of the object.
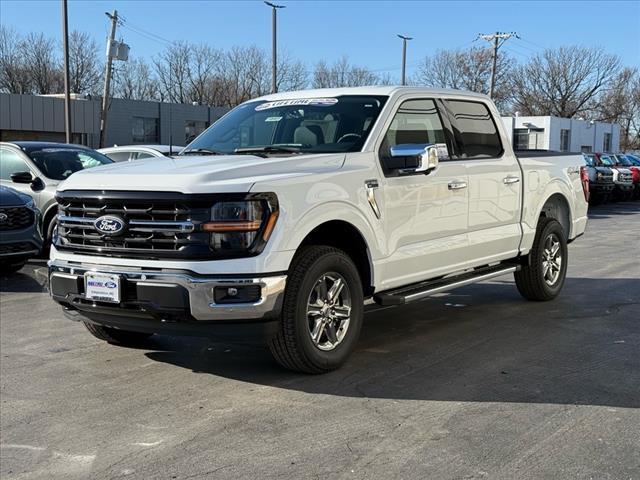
(269, 149)
(200, 151)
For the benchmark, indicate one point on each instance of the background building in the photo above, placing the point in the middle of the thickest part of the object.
(33, 117)
(562, 134)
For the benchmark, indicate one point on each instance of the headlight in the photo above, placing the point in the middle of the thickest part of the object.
(242, 227)
(600, 175)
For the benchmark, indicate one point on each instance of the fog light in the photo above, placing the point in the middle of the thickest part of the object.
(237, 294)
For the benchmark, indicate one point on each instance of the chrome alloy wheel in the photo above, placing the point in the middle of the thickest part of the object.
(551, 260)
(329, 311)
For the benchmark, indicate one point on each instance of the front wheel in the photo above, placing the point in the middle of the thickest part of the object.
(544, 277)
(322, 311)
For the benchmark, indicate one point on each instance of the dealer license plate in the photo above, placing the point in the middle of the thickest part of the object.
(102, 287)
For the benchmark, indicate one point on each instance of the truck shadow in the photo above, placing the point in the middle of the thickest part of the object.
(479, 344)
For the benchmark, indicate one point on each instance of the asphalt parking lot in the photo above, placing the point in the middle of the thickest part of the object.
(473, 384)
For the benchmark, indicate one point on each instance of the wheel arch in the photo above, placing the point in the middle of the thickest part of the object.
(345, 236)
(557, 206)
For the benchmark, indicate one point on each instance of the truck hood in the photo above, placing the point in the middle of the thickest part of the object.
(200, 174)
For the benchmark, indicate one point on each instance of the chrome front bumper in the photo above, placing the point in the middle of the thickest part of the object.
(200, 289)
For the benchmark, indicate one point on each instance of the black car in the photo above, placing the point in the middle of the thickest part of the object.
(20, 236)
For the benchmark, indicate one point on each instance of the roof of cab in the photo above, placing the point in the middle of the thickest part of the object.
(30, 146)
(385, 90)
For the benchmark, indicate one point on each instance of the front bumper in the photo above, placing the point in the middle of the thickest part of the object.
(16, 245)
(166, 296)
(601, 188)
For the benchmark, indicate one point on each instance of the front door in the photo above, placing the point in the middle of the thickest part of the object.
(425, 216)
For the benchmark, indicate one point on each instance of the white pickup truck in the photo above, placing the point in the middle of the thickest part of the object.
(293, 209)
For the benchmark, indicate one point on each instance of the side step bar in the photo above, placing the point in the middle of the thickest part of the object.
(422, 290)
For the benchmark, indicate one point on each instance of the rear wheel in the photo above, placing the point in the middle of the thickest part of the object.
(114, 335)
(544, 277)
(322, 312)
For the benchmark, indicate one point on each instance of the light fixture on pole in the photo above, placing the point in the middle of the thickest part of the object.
(274, 68)
(404, 57)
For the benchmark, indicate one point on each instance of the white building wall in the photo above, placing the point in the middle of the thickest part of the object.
(582, 134)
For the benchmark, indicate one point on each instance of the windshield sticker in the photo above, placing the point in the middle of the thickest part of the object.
(316, 102)
(273, 119)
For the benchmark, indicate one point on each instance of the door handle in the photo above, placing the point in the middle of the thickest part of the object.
(510, 179)
(457, 185)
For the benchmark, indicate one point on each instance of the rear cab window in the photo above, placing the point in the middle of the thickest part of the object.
(474, 129)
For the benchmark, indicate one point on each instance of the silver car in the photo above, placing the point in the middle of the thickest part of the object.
(36, 168)
(127, 153)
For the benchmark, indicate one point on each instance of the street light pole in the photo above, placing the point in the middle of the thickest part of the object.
(404, 57)
(274, 45)
(67, 94)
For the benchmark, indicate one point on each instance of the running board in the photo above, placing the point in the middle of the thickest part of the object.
(422, 290)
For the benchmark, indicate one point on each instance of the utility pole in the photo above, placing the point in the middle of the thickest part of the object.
(497, 39)
(107, 77)
(404, 57)
(274, 26)
(67, 94)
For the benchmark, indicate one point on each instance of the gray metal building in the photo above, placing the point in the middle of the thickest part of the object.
(33, 117)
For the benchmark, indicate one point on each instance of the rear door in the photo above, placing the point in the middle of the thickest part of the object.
(495, 182)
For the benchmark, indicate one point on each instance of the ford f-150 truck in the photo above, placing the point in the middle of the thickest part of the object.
(292, 210)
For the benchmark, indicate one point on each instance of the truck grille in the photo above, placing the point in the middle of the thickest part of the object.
(15, 218)
(155, 224)
(624, 178)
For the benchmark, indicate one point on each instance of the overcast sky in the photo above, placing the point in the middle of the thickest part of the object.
(365, 31)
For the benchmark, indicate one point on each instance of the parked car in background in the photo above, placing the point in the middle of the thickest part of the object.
(36, 168)
(634, 159)
(622, 161)
(127, 153)
(622, 177)
(20, 236)
(600, 180)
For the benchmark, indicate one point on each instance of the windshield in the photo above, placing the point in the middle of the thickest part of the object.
(589, 160)
(606, 160)
(60, 163)
(622, 160)
(321, 125)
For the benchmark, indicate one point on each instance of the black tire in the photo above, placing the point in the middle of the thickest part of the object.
(116, 336)
(530, 280)
(8, 268)
(292, 347)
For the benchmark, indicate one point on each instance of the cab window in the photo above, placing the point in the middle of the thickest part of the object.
(474, 129)
(10, 162)
(415, 122)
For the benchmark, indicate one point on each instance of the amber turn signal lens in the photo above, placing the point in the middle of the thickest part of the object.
(234, 226)
(271, 224)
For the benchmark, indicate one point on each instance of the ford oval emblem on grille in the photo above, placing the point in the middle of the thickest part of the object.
(109, 225)
(3, 217)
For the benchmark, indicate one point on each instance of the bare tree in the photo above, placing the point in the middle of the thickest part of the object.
(201, 73)
(292, 74)
(134, 80)
(14, 76)
(620, 103)
(565, 81)
(172, 70)
(85, 72)
(467, 70)
(42, 63)
(342, 74)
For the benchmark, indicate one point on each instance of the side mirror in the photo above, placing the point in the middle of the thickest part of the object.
(413, 159)
(21, 177)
